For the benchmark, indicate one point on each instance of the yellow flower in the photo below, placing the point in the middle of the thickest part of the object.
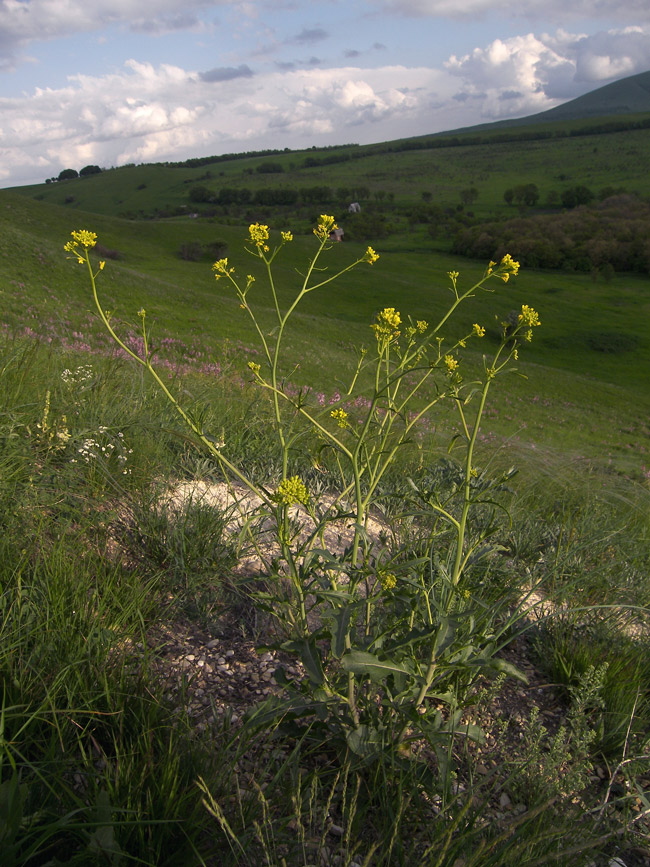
(287, 236)
(453, 276)
(259, 235)
(370, 256)
(142, 313)
(388, 321)
(220, 268)
(450, 363)
(102, 265)
(421, 325)
(252, 365)
(325, 225)
(85, 238)
(478, 330)
(528, 316)
(341, 416)
(491, 266)
(388, 581)
(292, 491)
(508, 268)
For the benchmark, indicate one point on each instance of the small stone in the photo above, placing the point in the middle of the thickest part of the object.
(211, 644)
(230, 653)
(190, 657)
(504, 801)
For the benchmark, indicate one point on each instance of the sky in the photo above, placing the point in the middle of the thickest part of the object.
(110, 82)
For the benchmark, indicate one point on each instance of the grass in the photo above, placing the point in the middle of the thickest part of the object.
(99, 766)
(597, 161)
(108, 773)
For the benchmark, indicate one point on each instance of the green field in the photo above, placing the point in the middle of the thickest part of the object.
(100, 583)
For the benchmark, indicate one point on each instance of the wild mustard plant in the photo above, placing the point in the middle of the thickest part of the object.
(381, 634)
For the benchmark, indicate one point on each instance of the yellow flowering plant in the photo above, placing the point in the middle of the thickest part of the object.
(378, 633)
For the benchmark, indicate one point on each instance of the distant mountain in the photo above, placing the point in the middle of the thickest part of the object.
(627, 96)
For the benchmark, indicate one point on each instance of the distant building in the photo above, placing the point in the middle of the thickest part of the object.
(336, 234)
(355, 208)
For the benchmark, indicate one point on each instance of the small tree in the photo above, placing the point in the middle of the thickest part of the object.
(200, 194)
(575, 196)
(68, 174)
(469, 196)
(89, 170)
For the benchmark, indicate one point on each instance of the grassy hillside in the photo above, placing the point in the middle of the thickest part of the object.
(399, 177)
(620, 98)
(586, 371)
(420, 703)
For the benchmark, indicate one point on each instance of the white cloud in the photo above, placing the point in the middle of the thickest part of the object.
(527, 74)
(158, 113)
(146, 112)
(532, 9)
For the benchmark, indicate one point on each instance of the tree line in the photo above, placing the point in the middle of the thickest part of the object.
(605, 237)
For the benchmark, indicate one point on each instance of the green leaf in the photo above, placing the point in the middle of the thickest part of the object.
(415, 636)
(12, 799)
(309, 656)
(496, 664)
(446, 634)
(360, 662)
(339, 630)
(364, 740)
(505, 667)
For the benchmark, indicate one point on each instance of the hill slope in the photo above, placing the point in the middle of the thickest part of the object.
(628, 96)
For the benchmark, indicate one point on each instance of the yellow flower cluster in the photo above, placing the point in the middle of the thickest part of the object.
(508, 268)
(254, 366)
(221, 268)
(478, 330)
(388, 581)
(259, 235)
(325, 225)
(341, 417)
(292, 491)
(528, 316)
(81, 237)
(388, 322)
(286, 236)
(421, 325)
(370, 256)
(450, 363)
